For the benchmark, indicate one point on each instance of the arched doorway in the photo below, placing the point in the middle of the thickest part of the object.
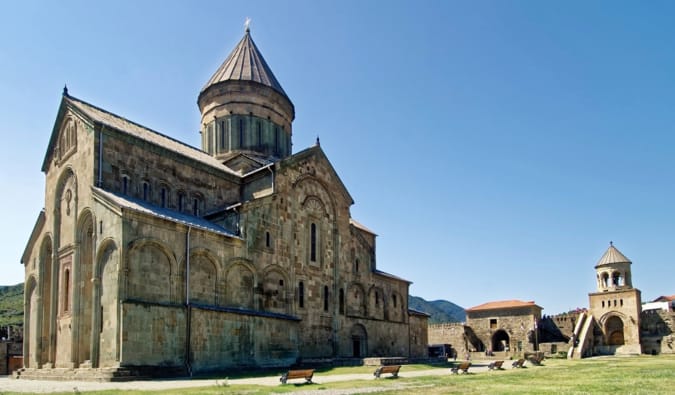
(359, 338)
(500, 341)
(614, 331)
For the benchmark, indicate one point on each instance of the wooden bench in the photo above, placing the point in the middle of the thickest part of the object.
(306, 374)
(393, 369)
(464, 367)
(536, 359)
(495, 365)
(518, 364)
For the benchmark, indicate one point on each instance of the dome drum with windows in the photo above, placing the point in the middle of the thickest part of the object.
(244, 109)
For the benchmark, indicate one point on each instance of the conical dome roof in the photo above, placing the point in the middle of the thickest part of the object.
(613, 255)
(246, 63)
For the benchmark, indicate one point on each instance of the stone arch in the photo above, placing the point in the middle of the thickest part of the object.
(240, 281)
(604, 279)
(275, 290)
(31, 321)
(67, 141)
(319, 191)
(83, 286)
(46, 276)
(356, 300)
(616, 279)
(500, 341)
(203, 277)
(359, 341)
(614, 330)
(65, 208)
(106, 313)
(150, 266)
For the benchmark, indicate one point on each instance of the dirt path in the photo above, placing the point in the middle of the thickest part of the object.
(7, 383)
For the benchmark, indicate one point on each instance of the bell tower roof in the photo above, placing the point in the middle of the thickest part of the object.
(246, 63)
(612, 256)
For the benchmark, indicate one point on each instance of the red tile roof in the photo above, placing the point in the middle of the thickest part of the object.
(665, 298)
(503, 304)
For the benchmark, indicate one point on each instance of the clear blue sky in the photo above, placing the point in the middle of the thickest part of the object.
(496, 147)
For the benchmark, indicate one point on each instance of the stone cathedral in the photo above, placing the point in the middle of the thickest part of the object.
(154, 256)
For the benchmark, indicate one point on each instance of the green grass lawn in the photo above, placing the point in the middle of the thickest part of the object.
(607, 375)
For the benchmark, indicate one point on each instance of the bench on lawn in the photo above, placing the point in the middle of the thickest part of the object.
(393, 369)
(536, 359)
(464, 367)
(495, 365)
(518, 364)
(306, 374)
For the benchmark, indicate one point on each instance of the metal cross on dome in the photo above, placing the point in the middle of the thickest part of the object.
(247, 24)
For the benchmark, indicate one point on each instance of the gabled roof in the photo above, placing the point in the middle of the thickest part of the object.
(112, 121)
(358, 225)
(503, 304)
(387, 275)
(316, 150)
(612, 255)
(246, 63)
(665, 298)
(128, 203)
(418, 312)
(37, 230)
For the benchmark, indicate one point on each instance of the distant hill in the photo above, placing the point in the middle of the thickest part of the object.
(11, 305)
(440, 310)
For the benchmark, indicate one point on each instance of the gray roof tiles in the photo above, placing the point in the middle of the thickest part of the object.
(124, 125)
(613, 255)
(246, 63)
(141, 206)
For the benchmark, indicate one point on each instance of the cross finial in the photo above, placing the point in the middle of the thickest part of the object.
(247, 24)
(65, 90)
(317, 141)
(611, 244)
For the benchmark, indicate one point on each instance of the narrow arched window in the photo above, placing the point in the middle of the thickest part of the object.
(325, 298)
(241, 132)
(312, 243)
(222, 135)
(301, 294)
(341, 301)
(195, 206)
(268, 240)
(125, 185)
(146, 190)
(181, 201)
(162, 197)
(393, 300)
(66, 290)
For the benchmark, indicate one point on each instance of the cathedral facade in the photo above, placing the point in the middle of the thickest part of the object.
(152, 254)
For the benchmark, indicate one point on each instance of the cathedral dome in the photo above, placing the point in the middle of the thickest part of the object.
(244, 108)
(612, 256)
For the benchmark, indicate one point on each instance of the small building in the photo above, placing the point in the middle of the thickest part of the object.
(665, 303)
(508, 326)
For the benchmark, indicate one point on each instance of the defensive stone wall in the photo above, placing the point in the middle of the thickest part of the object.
(657, 332)
(449, 333)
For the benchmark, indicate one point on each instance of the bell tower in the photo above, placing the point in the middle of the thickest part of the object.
(244, 109)
(616, 305)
